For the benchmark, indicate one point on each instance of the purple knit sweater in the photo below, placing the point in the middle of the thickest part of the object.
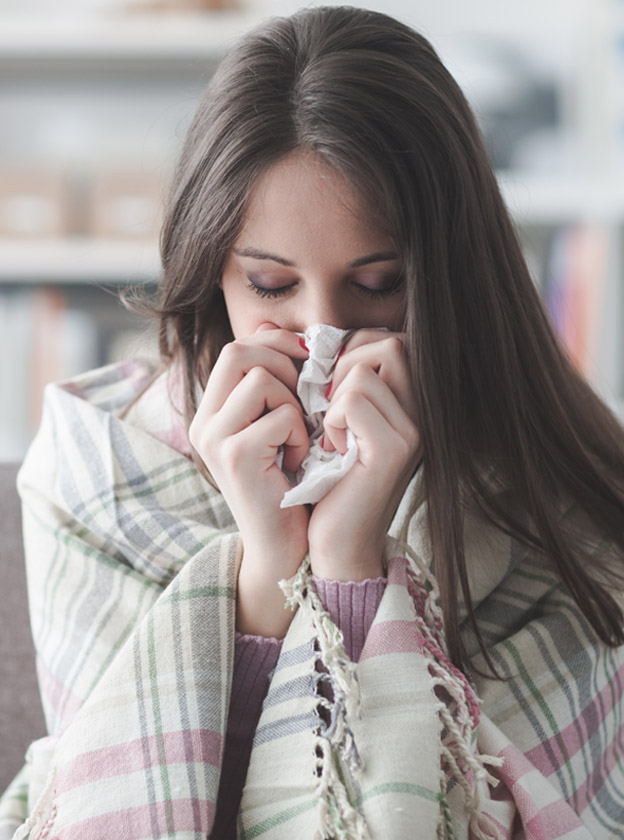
(352, 607)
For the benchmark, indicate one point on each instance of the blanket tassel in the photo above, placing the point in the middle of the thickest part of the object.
(38, 812)
(459, 725)
(338, 819)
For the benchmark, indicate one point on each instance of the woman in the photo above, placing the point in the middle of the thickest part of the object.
(333, 175)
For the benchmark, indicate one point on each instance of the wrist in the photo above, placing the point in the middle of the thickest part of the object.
(261, 605)
(356, 566)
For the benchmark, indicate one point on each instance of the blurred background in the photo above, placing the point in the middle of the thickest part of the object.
(95, 99)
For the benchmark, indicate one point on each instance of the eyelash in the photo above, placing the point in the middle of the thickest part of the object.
(268, 293)
(377, 294)
(374, 294)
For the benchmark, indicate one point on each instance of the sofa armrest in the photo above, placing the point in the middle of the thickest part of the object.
(21, 715)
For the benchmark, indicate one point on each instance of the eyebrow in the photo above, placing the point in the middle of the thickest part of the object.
(259, 254)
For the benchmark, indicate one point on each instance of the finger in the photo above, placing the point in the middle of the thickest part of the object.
(356, 413)
(360, 338)
(285, 340)
(378, 441)
(384, 353)
(362, 381)
(258, 393)
(261, 440)
(287, 337)
(271, 349)
(267, 325)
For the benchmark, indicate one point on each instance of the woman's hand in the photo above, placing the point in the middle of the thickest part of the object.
(372, 395)
(249, 410)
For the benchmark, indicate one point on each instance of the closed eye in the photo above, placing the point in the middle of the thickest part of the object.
(268, 291)
(376, 293)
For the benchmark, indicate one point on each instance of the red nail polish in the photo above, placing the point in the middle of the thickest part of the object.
(323, 442)
(329, 387)
(303, 344)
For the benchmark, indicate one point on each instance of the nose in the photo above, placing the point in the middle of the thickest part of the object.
(324, 307)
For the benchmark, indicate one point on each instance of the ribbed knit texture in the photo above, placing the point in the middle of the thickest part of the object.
(352, 606)
(254, 659)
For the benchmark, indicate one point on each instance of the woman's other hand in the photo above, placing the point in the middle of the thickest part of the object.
(249, 410)
(372, 395)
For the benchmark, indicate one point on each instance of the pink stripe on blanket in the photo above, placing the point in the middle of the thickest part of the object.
(162, 819)
(504, 831)
(552, 821)
(558, 749)
(392, 637)
(187, 746)
(546, 822)
(397, 571)
(599, 774)
(399, 636)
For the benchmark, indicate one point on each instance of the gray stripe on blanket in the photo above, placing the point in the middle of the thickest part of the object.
(295, 656)
(291, 690)
(286, 726)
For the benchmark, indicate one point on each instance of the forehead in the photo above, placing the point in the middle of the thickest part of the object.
(302, 195)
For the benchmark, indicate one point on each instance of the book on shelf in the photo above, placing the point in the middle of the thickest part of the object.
(575, 290)
(43, 340)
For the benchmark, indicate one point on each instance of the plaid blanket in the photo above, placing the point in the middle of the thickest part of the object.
(132, 559)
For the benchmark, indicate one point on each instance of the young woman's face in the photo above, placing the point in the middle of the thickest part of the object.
(307, 254)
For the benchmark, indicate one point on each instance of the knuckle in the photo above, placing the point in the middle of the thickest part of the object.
(407, 446)
(258, 376)
(395, 346)
(232, 353)
(200, 439)
(355, 378)
(193, 433)
(290, 412)
(292, 417)
(196, 434)
(351, 401)
(359, 372)
(413, 439)
(233, 452)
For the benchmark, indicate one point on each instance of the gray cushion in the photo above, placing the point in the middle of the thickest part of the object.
(21, 716)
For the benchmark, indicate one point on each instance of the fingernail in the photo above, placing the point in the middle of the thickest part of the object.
(329, 387)
(303, 344)
(323, 442)
(342, 349)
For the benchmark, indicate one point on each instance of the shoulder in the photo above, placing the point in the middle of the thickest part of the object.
(109, 426)
(102, 461)
(139, 393)
(110, 389)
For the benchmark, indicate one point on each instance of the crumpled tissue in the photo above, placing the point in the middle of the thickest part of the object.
(320, 470)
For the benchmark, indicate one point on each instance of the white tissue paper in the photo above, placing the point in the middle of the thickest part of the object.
(320, 470)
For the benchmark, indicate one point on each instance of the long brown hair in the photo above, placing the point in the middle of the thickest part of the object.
(371, 97)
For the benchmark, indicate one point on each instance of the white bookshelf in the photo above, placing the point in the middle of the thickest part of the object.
(554, 201)
(166, 37)
(75, 261)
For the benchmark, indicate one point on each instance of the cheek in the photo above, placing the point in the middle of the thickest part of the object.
(244, 314)
(391, 314)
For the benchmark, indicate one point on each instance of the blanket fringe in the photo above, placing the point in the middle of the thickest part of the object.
(43, 803)
(338, 818)
(459, 722)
